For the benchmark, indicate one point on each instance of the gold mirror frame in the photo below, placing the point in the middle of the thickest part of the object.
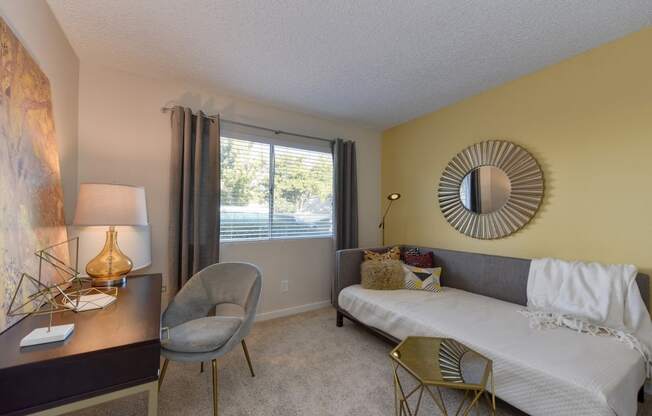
(527, 186)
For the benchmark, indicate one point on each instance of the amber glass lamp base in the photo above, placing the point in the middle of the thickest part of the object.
(110, 267)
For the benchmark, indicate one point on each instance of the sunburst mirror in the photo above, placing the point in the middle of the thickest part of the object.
(491, 189)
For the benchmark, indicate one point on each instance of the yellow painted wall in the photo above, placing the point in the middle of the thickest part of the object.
(587, 120)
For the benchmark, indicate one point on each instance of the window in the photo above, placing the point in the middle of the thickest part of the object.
(272, 191)
(244, 210)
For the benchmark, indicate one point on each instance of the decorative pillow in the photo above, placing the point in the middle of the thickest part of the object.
(420, 278)
(382, 275)
(393, 253)
(418, 259)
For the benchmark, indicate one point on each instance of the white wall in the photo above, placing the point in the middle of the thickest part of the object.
(124, 138)
(307, 264)
(38, 30)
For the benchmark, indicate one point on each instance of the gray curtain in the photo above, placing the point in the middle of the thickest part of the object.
(346, 194)
(194, 195)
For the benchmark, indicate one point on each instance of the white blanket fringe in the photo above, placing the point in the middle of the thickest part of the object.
(548, 320)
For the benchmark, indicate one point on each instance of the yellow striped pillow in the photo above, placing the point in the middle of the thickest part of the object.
(419, 278)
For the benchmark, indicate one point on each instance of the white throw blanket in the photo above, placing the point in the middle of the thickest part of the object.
(594, 298)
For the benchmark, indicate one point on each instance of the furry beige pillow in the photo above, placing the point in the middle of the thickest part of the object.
(393, 253)
(382, 275)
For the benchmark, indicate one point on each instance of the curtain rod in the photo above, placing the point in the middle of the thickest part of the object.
(287, 133)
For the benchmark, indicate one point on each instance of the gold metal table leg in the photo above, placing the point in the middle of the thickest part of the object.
(493, 392)
(396, 403)
(440, 403)
(473, 403)
(404, 397)
(416, 410)
(459, 409)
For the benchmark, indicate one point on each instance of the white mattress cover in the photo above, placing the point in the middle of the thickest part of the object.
(542, 372)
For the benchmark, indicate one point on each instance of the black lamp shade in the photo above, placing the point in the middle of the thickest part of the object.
(393, 196)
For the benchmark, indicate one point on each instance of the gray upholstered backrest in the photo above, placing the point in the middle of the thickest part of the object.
(503, 278)
(233, 283)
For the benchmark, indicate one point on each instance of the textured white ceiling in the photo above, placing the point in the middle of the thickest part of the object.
(374, 62)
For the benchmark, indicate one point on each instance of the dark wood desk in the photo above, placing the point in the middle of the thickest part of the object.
(113, 352)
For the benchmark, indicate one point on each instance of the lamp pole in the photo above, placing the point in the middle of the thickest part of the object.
(391, 197)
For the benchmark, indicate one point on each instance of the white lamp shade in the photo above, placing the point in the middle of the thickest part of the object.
(107, 204)
(134, 242)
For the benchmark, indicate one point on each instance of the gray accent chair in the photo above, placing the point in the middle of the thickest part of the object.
(212, 313)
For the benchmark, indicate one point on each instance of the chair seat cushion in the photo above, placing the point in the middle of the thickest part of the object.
(202, 335)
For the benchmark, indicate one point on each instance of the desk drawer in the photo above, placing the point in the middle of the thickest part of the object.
(28, 388)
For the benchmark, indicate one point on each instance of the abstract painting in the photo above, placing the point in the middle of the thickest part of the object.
(31, 198)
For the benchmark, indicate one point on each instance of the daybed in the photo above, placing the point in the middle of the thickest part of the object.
(541, 372)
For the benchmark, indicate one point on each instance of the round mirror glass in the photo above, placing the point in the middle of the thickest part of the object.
(485, 189)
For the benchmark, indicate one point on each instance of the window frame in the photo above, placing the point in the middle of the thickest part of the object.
(272, 142)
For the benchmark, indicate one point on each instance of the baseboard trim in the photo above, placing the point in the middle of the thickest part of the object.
(280, 313)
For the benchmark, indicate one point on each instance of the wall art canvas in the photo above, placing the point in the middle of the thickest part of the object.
(31, 197)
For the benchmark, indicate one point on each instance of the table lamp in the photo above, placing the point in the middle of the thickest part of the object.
(135, 241)
(110, 205)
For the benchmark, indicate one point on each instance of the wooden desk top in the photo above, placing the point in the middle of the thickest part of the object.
(104, 339)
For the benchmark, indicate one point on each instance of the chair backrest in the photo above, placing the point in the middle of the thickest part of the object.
(237, 283)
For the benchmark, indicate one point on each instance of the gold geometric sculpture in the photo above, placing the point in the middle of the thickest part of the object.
(34, 303)
(513, 197)
(71, 293)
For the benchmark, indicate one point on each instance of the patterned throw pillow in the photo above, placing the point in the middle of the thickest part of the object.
(382, 275)
(416, 258)
(419, 278)
(393, 253)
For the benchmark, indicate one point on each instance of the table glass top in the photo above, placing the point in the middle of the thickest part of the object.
(442, 361)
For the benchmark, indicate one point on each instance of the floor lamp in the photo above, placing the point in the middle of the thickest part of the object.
(391, 198)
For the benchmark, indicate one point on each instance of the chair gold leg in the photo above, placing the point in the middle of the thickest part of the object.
(246, 352)
(163, 370)
(215, 386)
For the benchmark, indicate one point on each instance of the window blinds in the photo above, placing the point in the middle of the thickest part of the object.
(271, 191)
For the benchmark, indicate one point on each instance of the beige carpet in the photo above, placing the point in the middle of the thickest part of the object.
(304, 365)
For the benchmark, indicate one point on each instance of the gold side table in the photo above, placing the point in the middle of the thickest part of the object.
(441, 362)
